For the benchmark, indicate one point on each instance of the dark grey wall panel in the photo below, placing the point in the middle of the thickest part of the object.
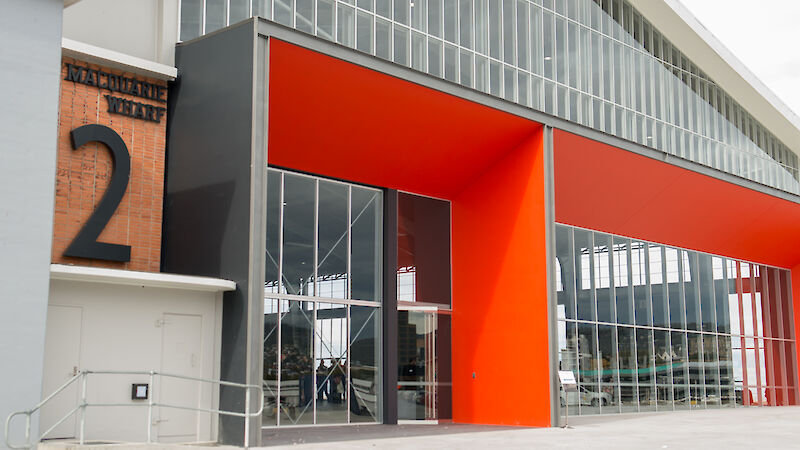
(214, 196)
(389, 306)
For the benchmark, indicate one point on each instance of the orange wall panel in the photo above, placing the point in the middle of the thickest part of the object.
(500, 330)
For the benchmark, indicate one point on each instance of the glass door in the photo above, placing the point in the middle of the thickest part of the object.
(419, 365)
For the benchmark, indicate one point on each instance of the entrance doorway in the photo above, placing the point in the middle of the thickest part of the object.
(423, 364)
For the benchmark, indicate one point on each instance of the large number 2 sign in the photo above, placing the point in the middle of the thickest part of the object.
(85, 244)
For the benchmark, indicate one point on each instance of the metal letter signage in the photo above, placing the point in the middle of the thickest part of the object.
(85, 244)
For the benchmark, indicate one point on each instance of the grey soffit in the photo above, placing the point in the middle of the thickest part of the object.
(268, 29)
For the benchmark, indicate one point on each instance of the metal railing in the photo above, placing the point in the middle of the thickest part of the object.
(80, 408)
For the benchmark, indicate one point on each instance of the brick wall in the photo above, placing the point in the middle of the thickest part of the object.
(83, 175)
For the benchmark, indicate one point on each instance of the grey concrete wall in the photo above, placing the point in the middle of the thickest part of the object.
(30, 58)
(146, 29)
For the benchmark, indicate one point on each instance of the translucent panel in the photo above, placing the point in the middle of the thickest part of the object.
(283, 12)
(419, 51)
(325, 19)
(191, 19)
(332, 274)
(602, 278)
(450, 63)
(435, 25)
(216, 15)
(364, 32)
(330, 361)
(297, 363)
(298, 234)
(495, 28)
(401, 11)
(465, 69)
(383, 39)
(465, 23)
(451, 20)
(366, 228)
(609, 372)
(272, 260)
(304, 15)
(384, 8)
(622, 280)
(419, 9)
(435, 58)
(565, 273)
(345, 25)
(583, 274)
(626, 340)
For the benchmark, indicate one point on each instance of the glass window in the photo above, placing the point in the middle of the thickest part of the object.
(658, 286)
(583, 275)
(566, 275)
(297, 363)
(640, 285)
(423, 254)
(216, 15)
(365, 348)
(609, 372)
(645, 369)
(298, 234)
(622, 280)
(366, 229)
(602, 278)
(707, 301)
(691, 290)
(629, 400)
(591, 398)
(191, 19)
(332, 276)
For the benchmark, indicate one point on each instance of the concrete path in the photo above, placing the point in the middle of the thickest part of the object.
(741, 428)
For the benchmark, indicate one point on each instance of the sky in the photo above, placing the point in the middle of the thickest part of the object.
(763, 34)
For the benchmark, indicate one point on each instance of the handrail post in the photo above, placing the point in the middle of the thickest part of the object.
(28, 430)
(83, 407)
(247, 417)
(150, 411)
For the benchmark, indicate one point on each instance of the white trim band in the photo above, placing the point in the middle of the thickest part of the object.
(144, 279)
(117, 60)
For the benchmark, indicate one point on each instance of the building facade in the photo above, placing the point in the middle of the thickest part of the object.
(385, 211)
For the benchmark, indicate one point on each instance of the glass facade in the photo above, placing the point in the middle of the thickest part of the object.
(646, 327)
(594, 62)
(322, 301)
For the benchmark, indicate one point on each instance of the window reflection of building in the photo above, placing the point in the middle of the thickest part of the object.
(647, 327)
(321, 311)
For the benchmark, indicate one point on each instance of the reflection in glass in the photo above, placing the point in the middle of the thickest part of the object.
(298, 234)
(602, 278)
(657, 270)
(645, 369)
(696, 375)
(591, 398)
(663, 369)
(365, 387)
(707, 302)
(641, 286)
(297, 362)
(691, 291)
(272, 262)
(726, 370)
(330, 362)
(270, 414)
(366, 230)
(675, 287)
(423, 253)
(332, 240)
(420, 365)
(627, 369)
(680, 369)
(711, 368)
(565, 282)
(583, 277)
(609, 374)
(622, 281)
(721, 302)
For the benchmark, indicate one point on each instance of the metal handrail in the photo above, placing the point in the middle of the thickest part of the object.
(81, 407)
